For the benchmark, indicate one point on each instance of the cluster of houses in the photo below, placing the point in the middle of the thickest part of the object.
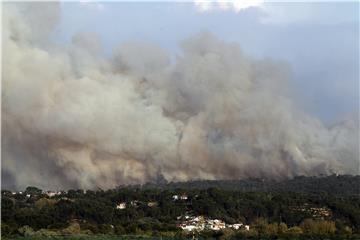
(187, 222)
(200, 223)
(135, 203)
(320, 212)
(316, 212)
(48, 193)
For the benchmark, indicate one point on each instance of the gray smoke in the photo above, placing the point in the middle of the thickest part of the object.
(72, 118)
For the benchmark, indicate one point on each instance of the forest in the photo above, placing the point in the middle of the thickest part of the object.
(299, 208)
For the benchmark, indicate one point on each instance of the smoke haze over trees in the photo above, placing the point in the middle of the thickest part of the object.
(72, 118)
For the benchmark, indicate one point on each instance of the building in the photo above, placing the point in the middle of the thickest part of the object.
(52, 194)
(235, 226)
(183, 197)
(193, 223)
(180, 197)
(121, 205)
(215, 224)
(199, 223)
(152, 204)
(188, 227)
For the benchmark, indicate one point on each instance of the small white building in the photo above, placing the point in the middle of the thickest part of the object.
(192, 226)
(188, 227)
(121, 205)
(215, 224)
(180, 197)
(183, 197)
(193, 223)
(134, 203)
(52, 194)
(235, 226)
(152, 204)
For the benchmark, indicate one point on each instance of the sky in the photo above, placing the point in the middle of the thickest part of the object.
(319, 40)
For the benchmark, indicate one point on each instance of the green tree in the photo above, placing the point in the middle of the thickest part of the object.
(33, 190)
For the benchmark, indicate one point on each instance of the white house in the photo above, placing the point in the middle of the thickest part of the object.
(235, 226)
(193, 223)
(183, 197)
(52, 194)
(215, 224)
(188, 227)
(121, 205)
(180, 197)
(152, 204)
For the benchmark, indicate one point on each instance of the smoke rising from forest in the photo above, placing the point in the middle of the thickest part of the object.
(73, 118)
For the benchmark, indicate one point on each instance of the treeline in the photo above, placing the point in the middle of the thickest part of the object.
(153, 211)
(333, 184)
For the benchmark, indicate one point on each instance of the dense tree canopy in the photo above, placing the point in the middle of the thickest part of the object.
(153, 209)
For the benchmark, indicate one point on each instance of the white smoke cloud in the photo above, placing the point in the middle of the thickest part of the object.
(92, 5)
(232, 5)
(71, 118)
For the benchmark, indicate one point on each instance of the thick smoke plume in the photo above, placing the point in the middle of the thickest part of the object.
(72, 118)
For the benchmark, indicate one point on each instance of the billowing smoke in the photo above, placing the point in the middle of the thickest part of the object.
(72, 118)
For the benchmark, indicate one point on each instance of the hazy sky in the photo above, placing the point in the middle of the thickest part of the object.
(319, 40)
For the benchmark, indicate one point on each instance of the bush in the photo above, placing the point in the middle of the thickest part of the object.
(26, 231)
(5, 229)
(106, 229)
(73, 228)
(119, 230)
(294, 231)
(318, 227)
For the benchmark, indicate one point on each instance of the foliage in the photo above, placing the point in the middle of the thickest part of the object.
(269, 212)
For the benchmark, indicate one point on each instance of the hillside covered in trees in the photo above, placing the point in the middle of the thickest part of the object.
(334, 184)
(326, 207)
